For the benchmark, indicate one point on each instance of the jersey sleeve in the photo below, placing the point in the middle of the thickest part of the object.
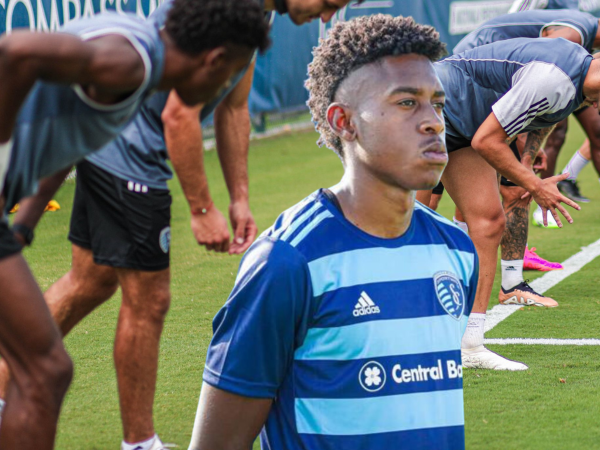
(256, 331)
(537, 88)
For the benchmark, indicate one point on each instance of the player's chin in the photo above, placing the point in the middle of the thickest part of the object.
(428, 180)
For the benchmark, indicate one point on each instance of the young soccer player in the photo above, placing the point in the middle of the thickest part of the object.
(511, 86)
(344, 325)
(62, 97)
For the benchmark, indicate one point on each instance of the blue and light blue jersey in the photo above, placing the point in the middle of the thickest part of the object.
(59, 125)
(356, 338)
(528, 83)
(140, 154)
(531, 24)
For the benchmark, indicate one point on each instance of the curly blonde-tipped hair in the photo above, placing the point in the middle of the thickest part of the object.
(353, 44)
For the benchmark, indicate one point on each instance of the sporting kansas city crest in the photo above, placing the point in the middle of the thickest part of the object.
(450, 293)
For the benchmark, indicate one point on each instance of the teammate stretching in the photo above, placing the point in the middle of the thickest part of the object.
(89, 81)
(512, 86)
(580, 28)
(343, 328)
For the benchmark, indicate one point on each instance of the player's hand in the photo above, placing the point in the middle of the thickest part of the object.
(244, 227)
(211, 230)
(549, 198)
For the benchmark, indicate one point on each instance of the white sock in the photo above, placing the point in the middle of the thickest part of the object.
(143, 445)
(462, 225)
(473, 336)
(575, 165)
(512, 273)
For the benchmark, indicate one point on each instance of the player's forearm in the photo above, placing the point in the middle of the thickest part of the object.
(499, 155)
(183, 137)
(232, 128)
(533, 144)
(32, 208)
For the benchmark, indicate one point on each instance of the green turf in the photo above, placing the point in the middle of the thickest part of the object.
(503, 410)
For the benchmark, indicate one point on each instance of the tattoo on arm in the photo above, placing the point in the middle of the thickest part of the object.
(534, 142)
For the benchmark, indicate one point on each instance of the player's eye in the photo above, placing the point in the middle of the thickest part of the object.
(439, 105)
(407, 102)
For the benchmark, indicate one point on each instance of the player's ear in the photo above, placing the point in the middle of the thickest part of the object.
(215, 58)
(339, 118)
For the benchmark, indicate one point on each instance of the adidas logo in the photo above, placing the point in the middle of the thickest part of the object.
(510, 268)
(365, 306)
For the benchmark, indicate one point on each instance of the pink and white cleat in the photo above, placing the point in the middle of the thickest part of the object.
(532, 261)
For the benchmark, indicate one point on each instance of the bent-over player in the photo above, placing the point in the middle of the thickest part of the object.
(62, 97)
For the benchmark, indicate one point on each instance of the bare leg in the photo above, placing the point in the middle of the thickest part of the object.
(76, 294)
(31, 345)
(514, 238)
(146, 300)
(424, 197)
(553, 145)
(590, 122)
(473, 185)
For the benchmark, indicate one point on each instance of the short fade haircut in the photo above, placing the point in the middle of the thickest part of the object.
(356, 43)
(198, 25)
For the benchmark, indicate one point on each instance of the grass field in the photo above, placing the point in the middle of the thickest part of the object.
(528, 410)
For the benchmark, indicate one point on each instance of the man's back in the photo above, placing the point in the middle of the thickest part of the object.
(68, 124)
(548, 72)
(354, 327)
(530, 24)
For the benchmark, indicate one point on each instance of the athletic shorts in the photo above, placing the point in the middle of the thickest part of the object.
(8, 244)
(515, 150)
(439, 189)
(124, 224)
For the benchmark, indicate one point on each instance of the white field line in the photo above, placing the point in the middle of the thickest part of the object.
(527, 341)
(573, 264)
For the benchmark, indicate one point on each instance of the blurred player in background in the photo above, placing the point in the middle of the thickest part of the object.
(120, 226)
(512, 86)
(338, 303)
(62, 97)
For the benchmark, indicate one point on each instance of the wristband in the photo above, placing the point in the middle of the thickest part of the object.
(24, 231)
(202, 211)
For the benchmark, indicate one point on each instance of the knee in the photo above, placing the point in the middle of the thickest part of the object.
(489, 227)
(48, 378)
(151, 308)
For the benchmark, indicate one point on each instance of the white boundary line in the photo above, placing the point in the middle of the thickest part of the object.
(526, 341)
(573, 264)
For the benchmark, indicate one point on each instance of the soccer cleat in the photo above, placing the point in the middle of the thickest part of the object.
(482, 358)
(538, 219)
(570, 189)
(532, 261)
(523, 294)
(158, 445)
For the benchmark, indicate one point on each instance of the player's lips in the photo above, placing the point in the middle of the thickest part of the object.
(435, 152)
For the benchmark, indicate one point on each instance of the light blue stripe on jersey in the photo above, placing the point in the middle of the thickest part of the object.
(311, 226)
(380, 338)
(298, 221)
(379, 265)
(380, 414)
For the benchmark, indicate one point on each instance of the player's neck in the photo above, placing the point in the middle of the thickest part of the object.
(375, 207)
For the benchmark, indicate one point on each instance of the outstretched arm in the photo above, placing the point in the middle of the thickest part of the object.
(32, 208)
(232, 128)
(183, 137)
(490, 143)
(107, 65)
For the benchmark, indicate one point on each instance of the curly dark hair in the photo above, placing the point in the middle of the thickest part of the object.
(198, 25)
(353, 44)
